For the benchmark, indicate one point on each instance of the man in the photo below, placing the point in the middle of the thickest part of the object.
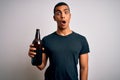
(63, 48)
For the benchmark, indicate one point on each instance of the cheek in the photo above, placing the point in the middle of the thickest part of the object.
(56, 18)
(68, 19)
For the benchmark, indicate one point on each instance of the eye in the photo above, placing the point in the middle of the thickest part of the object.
(58, 13)
(67, 12)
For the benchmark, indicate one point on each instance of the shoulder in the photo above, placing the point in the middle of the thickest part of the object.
(79, 36)
(49, 36)
(82, 39)
(84, 43)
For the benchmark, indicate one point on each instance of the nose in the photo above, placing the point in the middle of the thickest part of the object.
(63, 15)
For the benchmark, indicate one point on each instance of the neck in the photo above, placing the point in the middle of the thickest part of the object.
(64, 32)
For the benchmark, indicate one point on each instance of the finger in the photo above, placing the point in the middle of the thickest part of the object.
(32, 49)
(32, 45)
(31, 54)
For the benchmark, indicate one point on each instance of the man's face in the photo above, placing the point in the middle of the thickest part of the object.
(62, 16)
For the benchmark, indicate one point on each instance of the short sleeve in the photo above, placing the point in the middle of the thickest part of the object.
(43, 45)
(85, 46)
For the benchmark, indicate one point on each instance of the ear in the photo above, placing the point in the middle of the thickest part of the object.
(70, 15)
(54, 18)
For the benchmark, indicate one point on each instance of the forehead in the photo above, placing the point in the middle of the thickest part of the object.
(62, 7)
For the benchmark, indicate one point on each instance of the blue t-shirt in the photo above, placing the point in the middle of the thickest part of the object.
(63, 53)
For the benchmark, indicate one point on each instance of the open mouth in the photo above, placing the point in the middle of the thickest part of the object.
(63, 22)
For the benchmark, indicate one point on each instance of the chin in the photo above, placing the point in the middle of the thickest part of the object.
(62, 27)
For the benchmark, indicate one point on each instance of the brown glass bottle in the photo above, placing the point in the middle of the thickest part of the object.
(37, 59)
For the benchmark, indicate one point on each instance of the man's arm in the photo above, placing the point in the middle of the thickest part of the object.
(44, 62)
(83, 61)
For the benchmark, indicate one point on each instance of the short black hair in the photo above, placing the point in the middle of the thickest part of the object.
(60, 4)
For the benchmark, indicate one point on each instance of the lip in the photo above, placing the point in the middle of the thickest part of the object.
(63, 22)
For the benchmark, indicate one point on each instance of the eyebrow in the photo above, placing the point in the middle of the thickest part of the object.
(60, 10)
(66, 9)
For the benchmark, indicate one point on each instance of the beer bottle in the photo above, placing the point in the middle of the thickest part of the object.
(37, 59)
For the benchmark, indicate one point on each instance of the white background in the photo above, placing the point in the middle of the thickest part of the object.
(98, 20)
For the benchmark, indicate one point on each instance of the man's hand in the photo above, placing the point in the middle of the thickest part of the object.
(32, 52)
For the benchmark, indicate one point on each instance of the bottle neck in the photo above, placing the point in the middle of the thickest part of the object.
(37, 35)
